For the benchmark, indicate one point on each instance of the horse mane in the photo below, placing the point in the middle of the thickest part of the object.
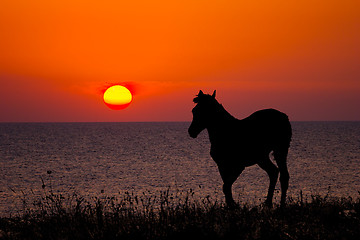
(198, 97)
(219, 107)
(222, 110)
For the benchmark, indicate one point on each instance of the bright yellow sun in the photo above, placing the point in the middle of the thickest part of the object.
(117, 97)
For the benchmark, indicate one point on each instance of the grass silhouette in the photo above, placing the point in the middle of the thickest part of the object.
(179, 215)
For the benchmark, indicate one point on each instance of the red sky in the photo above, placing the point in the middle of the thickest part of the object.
(56, 57)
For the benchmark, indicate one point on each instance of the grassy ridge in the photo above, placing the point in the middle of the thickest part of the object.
(179, 215)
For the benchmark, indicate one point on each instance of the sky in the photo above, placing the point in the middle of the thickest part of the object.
(58, 57)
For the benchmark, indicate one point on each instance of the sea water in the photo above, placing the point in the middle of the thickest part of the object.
(95, 159)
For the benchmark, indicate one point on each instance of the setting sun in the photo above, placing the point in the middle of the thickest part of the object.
(117, 97)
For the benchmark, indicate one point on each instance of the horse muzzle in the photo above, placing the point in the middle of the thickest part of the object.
(193, 132)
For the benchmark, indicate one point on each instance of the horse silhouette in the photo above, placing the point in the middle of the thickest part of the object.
(236, 144)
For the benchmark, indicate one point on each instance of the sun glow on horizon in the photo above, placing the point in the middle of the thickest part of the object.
(117, 97)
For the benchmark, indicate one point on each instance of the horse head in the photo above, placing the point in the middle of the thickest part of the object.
(202, 113)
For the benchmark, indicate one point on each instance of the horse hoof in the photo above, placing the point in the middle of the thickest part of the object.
(268, 204)
(232, 205)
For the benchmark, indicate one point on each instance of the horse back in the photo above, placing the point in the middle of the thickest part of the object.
(268, 126)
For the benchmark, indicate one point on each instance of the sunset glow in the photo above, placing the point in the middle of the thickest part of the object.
(117, 97)
(301, 57)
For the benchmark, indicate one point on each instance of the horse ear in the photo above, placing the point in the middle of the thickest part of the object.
(200, 93)
(214, 94)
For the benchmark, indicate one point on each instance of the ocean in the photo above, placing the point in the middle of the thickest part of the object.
(108, 159)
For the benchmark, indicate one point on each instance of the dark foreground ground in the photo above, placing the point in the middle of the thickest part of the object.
(179, 216)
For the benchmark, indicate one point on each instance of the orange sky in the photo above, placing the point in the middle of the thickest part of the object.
(301, 57)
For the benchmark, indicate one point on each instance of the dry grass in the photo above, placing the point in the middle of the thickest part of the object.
(178, 215)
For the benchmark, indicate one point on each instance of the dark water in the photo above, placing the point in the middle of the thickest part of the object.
(96, 159)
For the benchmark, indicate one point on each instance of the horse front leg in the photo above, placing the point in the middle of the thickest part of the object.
(228, 194)
(229, 176)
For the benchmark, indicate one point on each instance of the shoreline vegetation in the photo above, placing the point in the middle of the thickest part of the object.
(179, 215)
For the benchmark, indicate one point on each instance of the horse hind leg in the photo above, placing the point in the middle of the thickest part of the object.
(280, 158)
(273, 173)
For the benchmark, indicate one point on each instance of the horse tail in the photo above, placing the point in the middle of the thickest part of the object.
(288, 132)
(280, 154)
(284, 132)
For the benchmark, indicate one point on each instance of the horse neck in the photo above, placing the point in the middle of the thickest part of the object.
(219, 125)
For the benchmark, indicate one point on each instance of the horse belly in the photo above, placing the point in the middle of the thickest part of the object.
(235, 156)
